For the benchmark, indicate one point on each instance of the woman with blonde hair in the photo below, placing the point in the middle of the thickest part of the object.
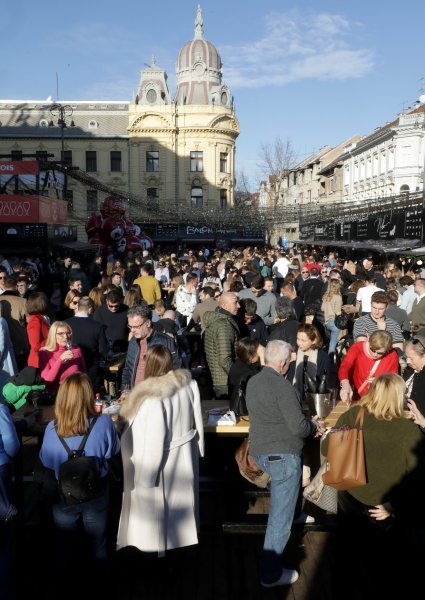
(364, 361)
(70, 305)
(331, 307)
(59, 358)
(98, 297)
(133, 296)
(75, 416)
(161, 443)
(395, 467)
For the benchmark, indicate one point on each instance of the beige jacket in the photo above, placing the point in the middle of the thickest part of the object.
(332, 307)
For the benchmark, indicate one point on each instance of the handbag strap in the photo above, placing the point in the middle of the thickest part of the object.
(360, 418)
(80, 448)
(372, 372)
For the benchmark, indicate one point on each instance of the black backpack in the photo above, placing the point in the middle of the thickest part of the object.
(79, 480)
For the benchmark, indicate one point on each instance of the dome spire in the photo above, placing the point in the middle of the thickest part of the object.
(199, 24)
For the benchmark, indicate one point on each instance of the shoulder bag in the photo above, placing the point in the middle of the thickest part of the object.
(248, 468)
(341, 321)
(323, 496)
(345, 463)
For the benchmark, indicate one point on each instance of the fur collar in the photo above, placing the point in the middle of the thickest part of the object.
(154, 387)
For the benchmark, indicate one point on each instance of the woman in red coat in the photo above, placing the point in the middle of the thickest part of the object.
(38, 325)
(363, 362)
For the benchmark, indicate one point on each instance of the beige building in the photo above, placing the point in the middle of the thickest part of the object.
(169, 157)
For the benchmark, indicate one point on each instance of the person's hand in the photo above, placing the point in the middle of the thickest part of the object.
(415, 413)
(320, 426)
(381, 511)
(381, 324)
(67, 355)
(346, 393)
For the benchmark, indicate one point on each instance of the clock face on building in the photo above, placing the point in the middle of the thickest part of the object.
(224, 98)
(199, 69)
(151, 96)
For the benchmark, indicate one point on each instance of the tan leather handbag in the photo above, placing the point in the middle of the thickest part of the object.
(248, 468)
(345, 463)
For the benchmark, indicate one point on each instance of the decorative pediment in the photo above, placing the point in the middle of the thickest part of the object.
(148, 122)
(225, 122)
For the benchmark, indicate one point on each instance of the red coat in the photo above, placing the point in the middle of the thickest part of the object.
(357, 365)
(37, 329)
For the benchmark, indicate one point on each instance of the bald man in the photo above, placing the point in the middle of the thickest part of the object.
(220, 337)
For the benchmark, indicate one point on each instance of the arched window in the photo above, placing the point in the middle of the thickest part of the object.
(404, 190)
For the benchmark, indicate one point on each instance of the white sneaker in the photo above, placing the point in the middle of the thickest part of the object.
(303, 519)
(287, 577)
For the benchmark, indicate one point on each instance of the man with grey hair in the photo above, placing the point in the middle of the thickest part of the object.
(143, 335)
(277, 430)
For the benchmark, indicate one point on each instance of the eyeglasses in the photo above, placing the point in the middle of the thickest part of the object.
(416, 341)
(131, 327)
(113, 305)
(304, 272)
(2, 276)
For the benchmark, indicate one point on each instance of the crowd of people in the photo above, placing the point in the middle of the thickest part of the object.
(267, 325)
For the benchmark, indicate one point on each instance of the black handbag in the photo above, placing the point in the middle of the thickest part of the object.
(238, 400)
(341, 321)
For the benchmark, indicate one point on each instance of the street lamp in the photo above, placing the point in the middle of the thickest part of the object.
(61, 112)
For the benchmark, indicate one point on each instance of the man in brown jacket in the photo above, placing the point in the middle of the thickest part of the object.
(14, 310)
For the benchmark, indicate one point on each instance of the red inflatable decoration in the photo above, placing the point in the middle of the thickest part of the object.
(112, 232)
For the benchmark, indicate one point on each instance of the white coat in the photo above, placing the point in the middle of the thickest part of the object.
(160, 445)
(7, 356)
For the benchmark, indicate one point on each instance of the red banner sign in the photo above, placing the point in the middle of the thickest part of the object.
(32, 209)
(23, 167)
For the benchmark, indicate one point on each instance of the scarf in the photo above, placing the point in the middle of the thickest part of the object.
(298, 380)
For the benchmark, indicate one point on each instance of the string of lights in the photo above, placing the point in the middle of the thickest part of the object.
(249, 216)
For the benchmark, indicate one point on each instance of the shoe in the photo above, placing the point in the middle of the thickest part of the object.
(304, 519)
(287, 577)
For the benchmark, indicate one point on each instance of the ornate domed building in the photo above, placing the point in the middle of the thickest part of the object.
(169, 155)
(185, 148)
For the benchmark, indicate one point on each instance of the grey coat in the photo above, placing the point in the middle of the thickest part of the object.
(277, 423)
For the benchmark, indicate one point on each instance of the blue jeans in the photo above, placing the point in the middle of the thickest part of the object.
(334, 333)
(285, 473)
(94, 517)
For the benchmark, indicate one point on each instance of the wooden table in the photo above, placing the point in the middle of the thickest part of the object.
(242, 423)
(334, 415)
(240, 429)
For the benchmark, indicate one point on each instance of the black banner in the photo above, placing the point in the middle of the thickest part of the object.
(385, 225)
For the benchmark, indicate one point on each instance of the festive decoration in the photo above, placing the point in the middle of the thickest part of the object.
(111, 231)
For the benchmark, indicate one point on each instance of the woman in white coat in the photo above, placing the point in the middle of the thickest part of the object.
(161, 442)
(7, 356)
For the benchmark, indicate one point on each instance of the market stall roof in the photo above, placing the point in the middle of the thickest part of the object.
(386, 247)
(78, 246)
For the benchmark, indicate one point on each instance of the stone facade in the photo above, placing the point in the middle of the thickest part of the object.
(170, 156)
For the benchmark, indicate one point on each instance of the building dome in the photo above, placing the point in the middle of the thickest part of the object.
(198, 71)
(198, 51)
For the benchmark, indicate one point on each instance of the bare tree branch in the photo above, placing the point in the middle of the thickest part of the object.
(276, 157)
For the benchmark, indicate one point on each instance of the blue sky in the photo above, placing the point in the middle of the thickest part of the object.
(315, 72)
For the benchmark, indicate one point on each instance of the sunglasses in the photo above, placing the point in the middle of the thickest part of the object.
(416, 341)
